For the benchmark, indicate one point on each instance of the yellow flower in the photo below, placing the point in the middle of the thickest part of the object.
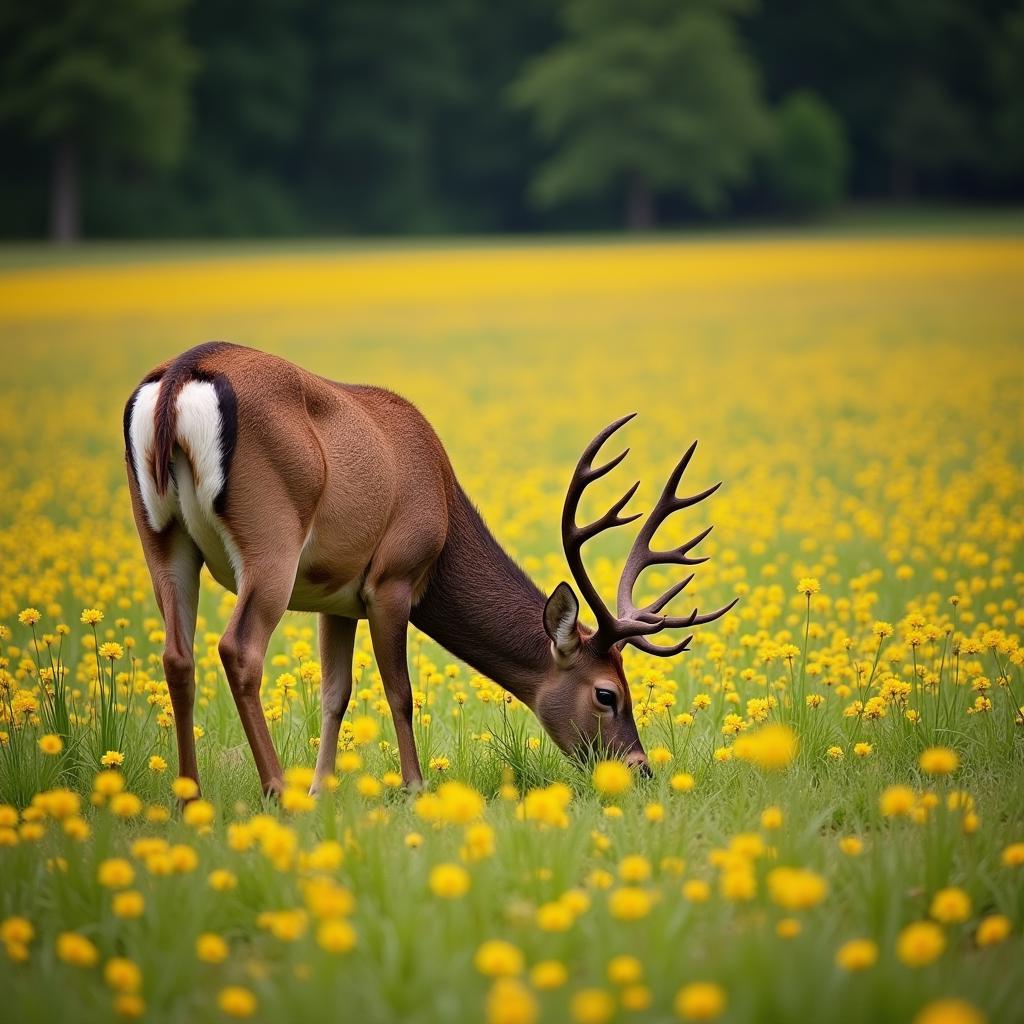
(771, 818)
(111, 650)
(654, 813)
(510, 1002)
(592, 1006)
(449, 881)
(326, 856)
(369, 787)
(122, 975)
(236, 1001)
(771, 747)
(992, 930)
(896, 801)
(112, 759)
(51, 744)
(498, 959)
(129, 1004)
(788, 928)
(700, 1000)
(634, 868)
(115, 873)
(682, 782)
(29, 617)
(636, 998)
(857, 955)
(16, 931)
(548, 974)
(76, 950)
(546, 806)
(108, 782)
(852, 846)
(157, 764)
(184, 788)
(211, 948)
(920, 943)
(221, 880)
(1013, 855)
(125, 805)
(555, 916)
(336, 936)
(659, 755)
(611, 778)
(863, 749)
(951, 906)
(364, 730)
(625, 970)
(630, 903)
(91, 616)
(808, 585)
(939, 761)
(198, 814)
(128, 904)
(950, 1011)
(796, 888)
(479, 842)
(696, 890)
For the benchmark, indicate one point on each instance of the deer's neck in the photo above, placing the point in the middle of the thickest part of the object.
(483, 608)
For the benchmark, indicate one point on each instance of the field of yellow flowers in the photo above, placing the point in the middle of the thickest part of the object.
(835, 827)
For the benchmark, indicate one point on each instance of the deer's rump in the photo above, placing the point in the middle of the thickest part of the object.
(204, 434)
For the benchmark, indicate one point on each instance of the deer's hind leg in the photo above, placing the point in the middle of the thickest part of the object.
(174, 563)
(337, 641)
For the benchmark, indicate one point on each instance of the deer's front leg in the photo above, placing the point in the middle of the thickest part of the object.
(337, 639)
(387, 610)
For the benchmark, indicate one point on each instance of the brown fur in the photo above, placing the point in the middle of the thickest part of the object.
(341, 499)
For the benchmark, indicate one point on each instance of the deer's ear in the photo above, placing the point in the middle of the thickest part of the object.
(560, 615)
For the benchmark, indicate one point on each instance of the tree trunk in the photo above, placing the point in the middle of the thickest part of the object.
(639, 204)
(64, 211)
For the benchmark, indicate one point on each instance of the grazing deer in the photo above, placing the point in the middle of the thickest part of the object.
(298, 492)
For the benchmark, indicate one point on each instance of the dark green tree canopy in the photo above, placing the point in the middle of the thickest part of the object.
(108, 73)
(655, 91)
(211, 117)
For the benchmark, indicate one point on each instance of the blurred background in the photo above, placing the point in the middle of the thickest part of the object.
(170, 118)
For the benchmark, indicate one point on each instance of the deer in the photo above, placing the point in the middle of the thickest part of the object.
(301, 493)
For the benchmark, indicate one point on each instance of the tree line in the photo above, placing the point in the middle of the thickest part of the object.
(216, 118)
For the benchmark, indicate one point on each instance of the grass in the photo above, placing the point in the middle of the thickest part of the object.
(859, 397)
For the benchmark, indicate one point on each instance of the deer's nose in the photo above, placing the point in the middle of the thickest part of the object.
(638, 761)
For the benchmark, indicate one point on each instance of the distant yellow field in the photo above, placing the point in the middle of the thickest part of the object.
(861, 398)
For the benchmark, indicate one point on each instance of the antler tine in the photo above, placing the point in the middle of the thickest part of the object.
(696, 619)
(647, 620)
(574, 536)
(641, 643)
(631, 624)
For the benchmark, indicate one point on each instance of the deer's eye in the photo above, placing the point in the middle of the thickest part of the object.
(605, 697)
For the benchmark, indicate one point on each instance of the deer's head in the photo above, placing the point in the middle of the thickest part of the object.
(585, 703)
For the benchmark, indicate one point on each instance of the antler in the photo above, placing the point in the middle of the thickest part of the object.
(631, 624)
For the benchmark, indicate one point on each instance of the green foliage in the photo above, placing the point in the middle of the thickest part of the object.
(659, 92)
(109, 73)
(1009, 115)
(808, 159)
(374, 116)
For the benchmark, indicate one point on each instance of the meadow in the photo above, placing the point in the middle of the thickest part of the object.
(835, 826)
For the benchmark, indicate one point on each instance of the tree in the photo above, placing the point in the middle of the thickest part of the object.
(647, 96)
(385, 74)
(95, 75)
(807, 164)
